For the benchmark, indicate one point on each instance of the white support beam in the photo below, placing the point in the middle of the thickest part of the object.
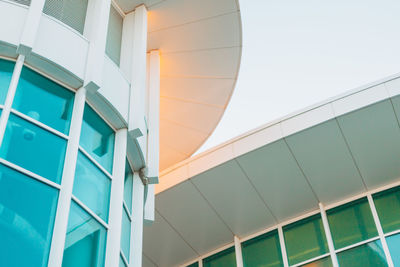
(116, 199)
(238, 252)
(137, 222)
(67, 181)
(328, 236)
(283, 247)
(31, 26)
(12, 88)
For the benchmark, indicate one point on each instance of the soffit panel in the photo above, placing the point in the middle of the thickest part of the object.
(169, 156)
(190, 214)
(326, 161)
(146, 262)
(163, 245)
(278, 179)
(234, 198)
(396, 106)
(373, 135)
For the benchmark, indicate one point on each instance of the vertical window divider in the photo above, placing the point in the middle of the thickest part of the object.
(238, 252)
(137, 221)
(12, 88)
(328, 235)
(200, 262)
(283, 246)
(380, 230)
(116, 199)
(67, 181)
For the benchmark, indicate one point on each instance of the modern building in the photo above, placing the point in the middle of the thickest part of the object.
(90, 92)
(320, 187)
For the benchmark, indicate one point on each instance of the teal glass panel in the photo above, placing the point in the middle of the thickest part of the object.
(6, 71)
(33, 148)
(85, 243)
(325, 262)
(92, 186)
(262, 251)
(351, 223)
(305, 239)
(224, 258)
(44, 100)
(125, 235)
(387, 205)
(394, 248)
(367, 255)
(114, 35)
(196, 264)
(128, 187)
(27, 212)
(97, 138)
(121, 262)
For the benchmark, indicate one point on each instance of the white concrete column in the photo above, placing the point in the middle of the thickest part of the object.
(67, 182)
(31, 26)
(328, 236)
(116, 200)
(12, 88)
(380, 230)
(238, 252)
(137, 222)
(283, 247)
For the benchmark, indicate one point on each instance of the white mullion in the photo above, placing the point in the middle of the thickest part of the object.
(392, 233)
(357, 244)
(283, 247)
(127, 211)
(29, 173)
(310, 260)
(81, 149)
(238, 252)
(12, 88)
(380, 230)
(39, 124)
(328, 236)
(201, 263)
(67, 181)
(137, 221)
(88, 210)
(116, 199)
(124, 258)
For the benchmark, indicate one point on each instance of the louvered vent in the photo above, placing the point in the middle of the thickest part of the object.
(70, 12)
(23, 2)
(114, 35)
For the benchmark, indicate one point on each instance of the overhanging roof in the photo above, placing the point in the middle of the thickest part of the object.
(334, 150)
(200, 45)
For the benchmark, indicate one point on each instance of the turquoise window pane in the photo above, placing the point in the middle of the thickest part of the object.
(305, 239)
(387, 205)
(44, 100)
(85, 242)
(97, 138)
(224, 258)
(27, 212)
(262, 251)
(351, 223)
(196, 264)
(6, 70)
(325, 262)
(121, 262)
(367, 255)
(92, 186)
(394, 248)
(125, 234)
(33, 148)
(128, 187)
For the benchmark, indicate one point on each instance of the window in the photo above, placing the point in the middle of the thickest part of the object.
(114, 35)
(223, 258)
(127, 214)
(325, 262)
(6, 71)
(367, 255)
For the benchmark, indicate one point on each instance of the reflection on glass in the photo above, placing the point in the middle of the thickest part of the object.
(44, 100)
(85, 241)
(27, 212)
(121, 262)
(223, 258)
(367, 255)
(92, 186)
(196, 264)
(125, 234)
(305, 239)
(262, 251)
(387, 205)
(325, 262)
(97, 138)
(6, 70)
(33, 148)
(128, 187)
(394, 248)
(351, 223)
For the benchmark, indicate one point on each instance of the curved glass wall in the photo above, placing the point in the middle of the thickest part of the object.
(6, 70)
(223, 258)
(126, 229)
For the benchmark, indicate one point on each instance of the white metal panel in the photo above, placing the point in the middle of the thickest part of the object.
(326, 161)
(278, 179)
(234, 198)
(190, 214)
(396, 106)
(12, 14)
(373, 135)
(393, 87)
(174, 177)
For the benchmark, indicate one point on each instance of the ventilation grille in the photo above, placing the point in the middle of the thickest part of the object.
(114, 35)
(23, 2)
(70, 12)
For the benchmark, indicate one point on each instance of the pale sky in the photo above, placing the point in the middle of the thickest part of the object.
(299, 52)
